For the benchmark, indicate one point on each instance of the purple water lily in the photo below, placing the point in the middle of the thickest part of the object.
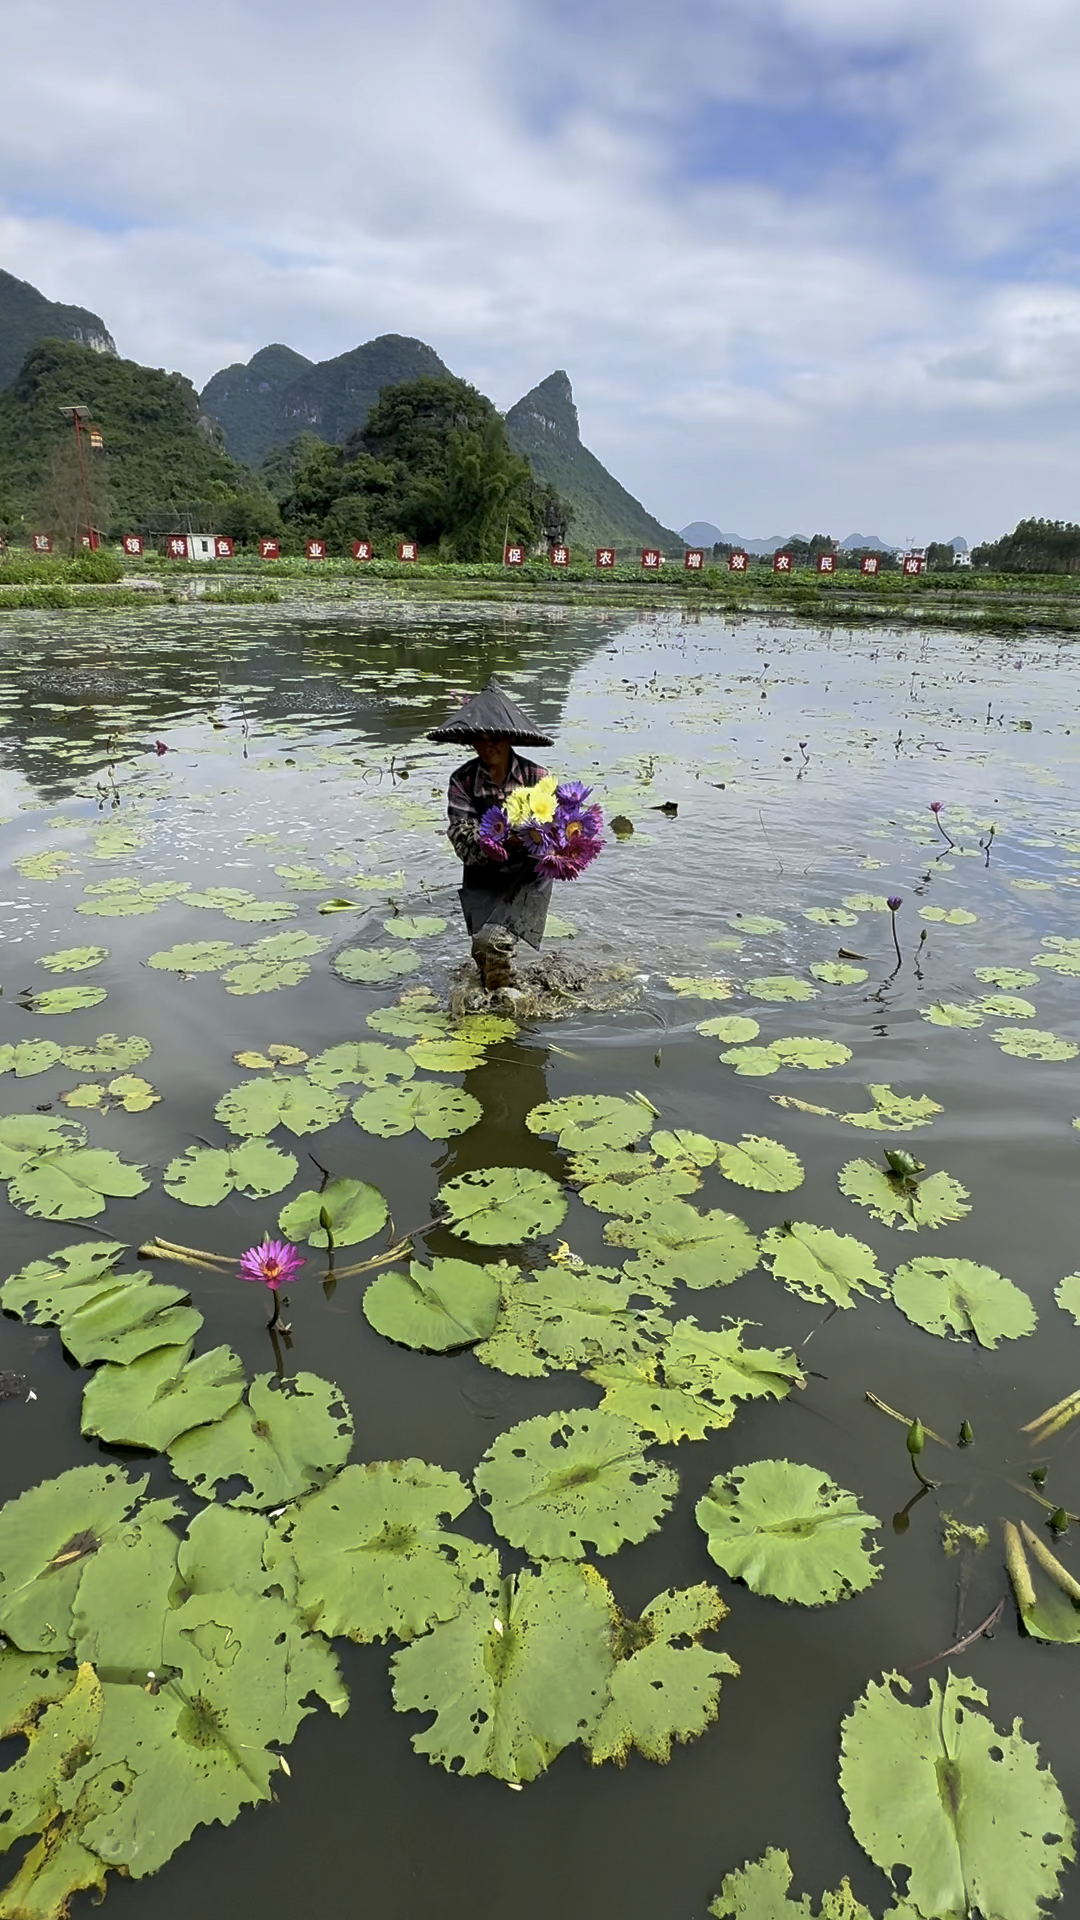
(275, 1263)
(894, 902)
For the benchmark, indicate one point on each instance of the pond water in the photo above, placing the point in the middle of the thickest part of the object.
(802, 764)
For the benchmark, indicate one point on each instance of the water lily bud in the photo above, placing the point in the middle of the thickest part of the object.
(916, 1439)
(1059, 1520)
(967, 1433)
(1038, 1476)
(894, 902)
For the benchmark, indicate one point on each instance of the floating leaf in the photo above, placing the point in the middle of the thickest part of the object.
(152, 1400)
(439, 1113)
(66, 999)
(1008, 977)
(733, 1027)
(197, 956)
(780, 986)
(569, 1316)
(354, 1209)
(965, 1811)
(373, 1556)
(695, 1381)
(74, 959)
(515, 1678)
(1033, 1043)
(676, 1242)
(73, 1183)
(1008, 1006)
(755, 1161)
(447, 1305)
(802, 1050)
(959, 1297)
(414, 926)
(665, 1686)
(636, 1391)
(411, 1023)
(789, 1531)
(866, 902)
(1067, 962)
(46, 1538)
(29, 1057)
(904, 1203)
(1067, 1295)
(951, 1014)
(275, 1057)
(445, 1056)
(288, 1437)
(500, 1206)
(759, 923)
(113, 898)
(703, 988)
(360, 1063)
(133, 1093)
(821, 1265)
(890, 1112)
(563, 1481)
(831, 916)
(108, 1054)
(203, 1176)
(754, 1062)
(289, 1101)
(758, 1891)
(591, 1120)
(259, 912)
(838, 973)
(952, 916)
(697, 1148)
(374, 966)
(279, 960)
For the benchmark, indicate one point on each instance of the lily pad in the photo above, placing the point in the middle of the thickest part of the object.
(414, 926)
(411, 1023)
(951, 1014)
(788, 1531)
(152, 1400)
(1067, 1295)
(694, 1382)
(501, 1206)
(281, 1100)
(709, 987)
(354, 1209)
(804, 1050)
(821, 1265)
(951, 916)
(591, 1120)
(665, 1686)
(1008, 1006)
(439, 1113)
(47, 1535)
(932, 1201)
(1008, 977)
(204, 1176)
(516, 1677)
(359, 1063)
(831, 916)
(838, 973)
(758, 1891)
(763, 1164)
(673, 1241)
(279, 960)
(29, 1057)
(74, 959)
(66, 999)
(73, 1183)
(101, 1314)
(450, 1304)
(115, 898)
(959, 1297)
(108, 1054)
(759, 923)
(752, 1062)
(445, 1056)
(684, 1145)
(732, 1027)
(966, 1811)
(275, 1057)
(562, 1482)
(1033, 1043)
(286, 1438)
(780, 986)
(567, 1316)
(197, 956)
(373, 1556)
(374, 966)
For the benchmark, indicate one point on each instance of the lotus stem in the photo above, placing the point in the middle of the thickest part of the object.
(365, 1266)
(1019, 1572)
(157, 1244)
(1054, 1419)
(153, 1251)
(1059, 1575)
(905, 1419)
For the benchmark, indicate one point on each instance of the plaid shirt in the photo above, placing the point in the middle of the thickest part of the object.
(471, 792)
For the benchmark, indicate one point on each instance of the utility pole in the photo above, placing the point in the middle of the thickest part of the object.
(80, 418)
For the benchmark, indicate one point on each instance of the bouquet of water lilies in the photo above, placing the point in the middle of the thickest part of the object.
(552, 821)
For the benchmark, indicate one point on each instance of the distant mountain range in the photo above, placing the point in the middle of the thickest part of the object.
(702, 533)
(26, 317)
(279, 394)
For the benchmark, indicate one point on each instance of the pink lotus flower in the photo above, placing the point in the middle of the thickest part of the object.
(273, 1262)
(160, 747)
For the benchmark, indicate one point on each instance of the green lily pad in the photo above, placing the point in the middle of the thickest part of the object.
(567, 1317)
(759, 923)
(447, 1305)
(890, 1113)
(831, 916)
(803, 1050)
(197, 956)
(733, 1027)
(821, 1265)
(707, 987)
(1067, 1295)
(23, 1135)
(47, 1535)
(29, 1057)
(44, 866)
(354, 1209)
(280, 1100)
(278, 960)
(66, 999)
(204, 1176)
(788, 1531)
(373, 1556)
(501, 1206)
(445, 1056)
(1033, 1043)
(959, 1297)
(154, 1399)
(1008, 1006)
(272, 1061)
(514, 1678)
(591, 1120)
(752, 1062)
(73, 1182)
(108, 1054)
(966, 1812)
(673, 1241)
(359, 1063)
(112, 899)
(933, 1201)
(1007, 977)
(288, 1437)
(666, 1686)
(758, 1891)
(951, 1014)
(866, 902)
(414, 926)
(763, 1164)
(374, 966)
(560, 1482)
(780, 986)
(439, 1113)
(684, 1145)
(694, 1381)
(411, 1023)
(952, 916)
(261, 912)
(74, 959)
(838, 973)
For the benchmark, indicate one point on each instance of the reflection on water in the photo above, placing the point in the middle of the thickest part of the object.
(802, 766)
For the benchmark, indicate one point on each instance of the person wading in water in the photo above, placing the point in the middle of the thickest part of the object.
(502, 900)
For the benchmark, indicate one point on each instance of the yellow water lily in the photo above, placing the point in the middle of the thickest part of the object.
(532, 803)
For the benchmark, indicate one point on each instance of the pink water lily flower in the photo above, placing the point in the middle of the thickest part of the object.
(273, 1262)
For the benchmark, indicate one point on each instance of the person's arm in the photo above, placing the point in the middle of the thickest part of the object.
(462, 824)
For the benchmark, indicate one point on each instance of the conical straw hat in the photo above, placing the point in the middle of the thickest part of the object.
(492, 711)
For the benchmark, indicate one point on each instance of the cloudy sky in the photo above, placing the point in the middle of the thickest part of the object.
(810, 264)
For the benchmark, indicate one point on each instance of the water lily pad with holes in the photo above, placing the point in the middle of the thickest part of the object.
(276, 1056)
(22, 1135)
(47, 1536)
(373, 1556)
(676, 1242)
(280, 1100)
(959, 1297)
(891, 1112)
(821, 1265)
(838, 973)
(755, 1161)
(1033, 1043)
(866, 902)
(804, 1050)
(374, 966)
(694, 1381)
(439, 1113)
(590, 1120)
(563, 1482)
(65, 999)
(568, 1317)
(906, 1204)
(636, 1390)
(445, 1055)
(1067, 1295)
(758, 1891)
(501, 1206)
(204, 1176)
(359, 1063)
(286, 1438)
(752, 1062)
(831, 916)
(950, 1014)
(154, 1399)
(959, 1814)
(197, 956)
(107, 1054)
(639, 1192)
(1067, 962)
(1008, 1006)
(514, 1678)
(73, 1183)
(666, 1685)
(354, 1209)
(115, 1317)
(732, 1027)
(759, 923)
(450, 1304)
(951, 916)
(682, 1144)
(113, 899)
(414, 926)
(261, 912)
(29, 1057)
(279, 960)
(74, 959)
(702, 988)
(411, 1023)
(788, 1531)
(779, 987)
(1008, 977)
